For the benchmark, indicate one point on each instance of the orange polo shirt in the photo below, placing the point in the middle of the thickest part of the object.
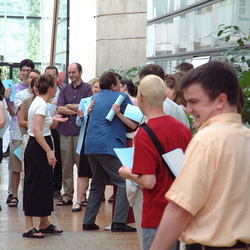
(214, 185)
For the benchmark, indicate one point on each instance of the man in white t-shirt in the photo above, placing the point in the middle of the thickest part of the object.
(15, 164)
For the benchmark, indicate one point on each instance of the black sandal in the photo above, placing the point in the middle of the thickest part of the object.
(13, 202)
(77, 209)
(31, 234)
(51, 229)
(64, 203)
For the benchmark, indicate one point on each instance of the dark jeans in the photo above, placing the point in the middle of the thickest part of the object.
(57, 173)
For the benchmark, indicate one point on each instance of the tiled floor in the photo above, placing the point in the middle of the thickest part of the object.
(12, 223)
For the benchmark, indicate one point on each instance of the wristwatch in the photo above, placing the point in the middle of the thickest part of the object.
(68, 105)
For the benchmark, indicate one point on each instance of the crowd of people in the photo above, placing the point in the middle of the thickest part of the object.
(61, 125)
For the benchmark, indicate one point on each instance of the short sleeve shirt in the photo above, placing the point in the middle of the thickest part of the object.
(71, 94)
(172, 134)
(214, 183)
(39, 107)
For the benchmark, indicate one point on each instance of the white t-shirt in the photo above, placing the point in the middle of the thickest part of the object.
(39, 107)
(173, 109)
(19, 98)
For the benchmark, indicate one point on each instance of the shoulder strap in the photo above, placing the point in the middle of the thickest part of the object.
(158, 146)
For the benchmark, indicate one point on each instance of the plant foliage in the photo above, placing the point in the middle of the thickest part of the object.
(238, 55)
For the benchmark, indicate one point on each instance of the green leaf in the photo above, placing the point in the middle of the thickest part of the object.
(220, 33)
(227, 38)
(245, 80)
(240, 42)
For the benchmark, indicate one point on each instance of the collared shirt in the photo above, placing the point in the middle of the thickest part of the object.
(72, 95)
(214, 185)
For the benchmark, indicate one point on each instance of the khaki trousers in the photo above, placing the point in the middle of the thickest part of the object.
(69, 158)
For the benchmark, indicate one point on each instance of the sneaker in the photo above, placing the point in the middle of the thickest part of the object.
(57, 195)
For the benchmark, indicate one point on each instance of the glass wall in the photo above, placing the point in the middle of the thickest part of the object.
(20, 29)
(26, 32)
(185, 32)
(158, 8)
(62, 40)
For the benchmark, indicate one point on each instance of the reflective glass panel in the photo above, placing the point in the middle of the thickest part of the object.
(33, 7)
(15, 8)
(34, 39)
(193, 31)
(158, 8)
(1, 7)
(15, 40)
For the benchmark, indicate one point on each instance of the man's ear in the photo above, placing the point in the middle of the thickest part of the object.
(112, 86)
(140, 97)
(221, 101)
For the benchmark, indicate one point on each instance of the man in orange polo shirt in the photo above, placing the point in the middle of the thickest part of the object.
(209, 205)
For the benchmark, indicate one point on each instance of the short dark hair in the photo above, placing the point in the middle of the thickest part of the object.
(26, 62)
(215, 78)
(152, 69)
(185, 66)
(107, 79)
(35, 70)
(52, 67)
(79, 66)
(132, 88)
(43, 83)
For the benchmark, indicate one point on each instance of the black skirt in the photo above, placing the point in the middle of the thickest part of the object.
(38, 184)
(84, 169)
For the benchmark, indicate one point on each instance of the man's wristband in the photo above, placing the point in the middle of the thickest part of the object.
(7, 99)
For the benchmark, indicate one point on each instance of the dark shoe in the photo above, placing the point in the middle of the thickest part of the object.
(122, 227)
(57, 195)
(51, 229)
(31, 234)
(6, 154)
(90, 227)
(84, 201)
(9, 198)
(64, 203)
(77, 207)
(111, 199)
(13, 202)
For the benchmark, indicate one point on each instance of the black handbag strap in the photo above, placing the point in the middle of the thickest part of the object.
(158, 146)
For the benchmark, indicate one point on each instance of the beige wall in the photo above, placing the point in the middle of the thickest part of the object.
(121, 34)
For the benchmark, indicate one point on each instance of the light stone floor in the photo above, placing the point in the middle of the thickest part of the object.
(12, 223)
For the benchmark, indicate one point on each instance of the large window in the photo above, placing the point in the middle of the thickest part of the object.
(20, 24)
(180, 33)
(158, 8)
(61, 52)
(26, 32)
